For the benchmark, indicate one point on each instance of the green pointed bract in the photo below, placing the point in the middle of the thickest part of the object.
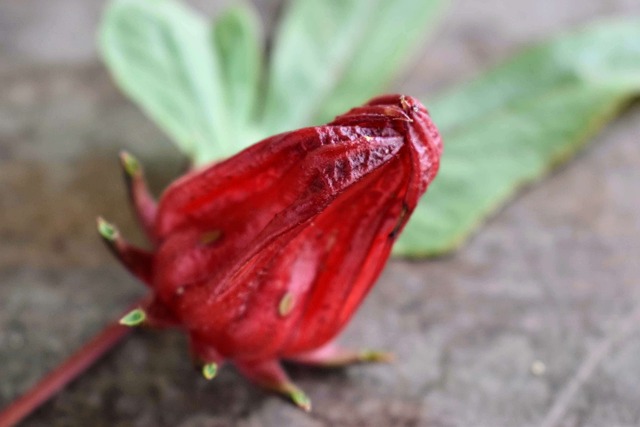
(134, 318)
(376, 356)
(129, 163)
(210, 370)
(301, 399)
(107, 230)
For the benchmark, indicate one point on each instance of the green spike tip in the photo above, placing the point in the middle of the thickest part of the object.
(210, 370)
(134, 318)
(107, 230)
(301, 400)
(129, 163)
(376, 356)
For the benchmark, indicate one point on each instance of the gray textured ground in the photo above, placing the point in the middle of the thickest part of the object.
(552, 282)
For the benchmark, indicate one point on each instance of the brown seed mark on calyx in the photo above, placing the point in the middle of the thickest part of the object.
(286, 304)
(210, 237)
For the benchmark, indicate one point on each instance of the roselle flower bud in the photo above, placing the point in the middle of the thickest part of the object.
(265, 256)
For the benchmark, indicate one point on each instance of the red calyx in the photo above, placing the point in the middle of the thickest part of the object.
(265, 256)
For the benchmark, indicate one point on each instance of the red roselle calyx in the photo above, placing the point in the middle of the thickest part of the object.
(265, 256)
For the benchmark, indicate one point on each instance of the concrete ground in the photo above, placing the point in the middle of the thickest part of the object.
(535, 322)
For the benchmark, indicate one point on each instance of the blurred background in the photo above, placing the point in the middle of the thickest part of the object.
(535, 322)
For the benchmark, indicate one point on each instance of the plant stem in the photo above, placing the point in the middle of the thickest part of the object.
(69, 370)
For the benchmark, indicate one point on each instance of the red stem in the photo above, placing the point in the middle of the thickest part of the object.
(70, 369)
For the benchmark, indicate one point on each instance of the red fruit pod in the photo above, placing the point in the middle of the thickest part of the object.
(265, 256)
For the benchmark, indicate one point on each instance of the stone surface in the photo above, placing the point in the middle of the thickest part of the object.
(536, 322)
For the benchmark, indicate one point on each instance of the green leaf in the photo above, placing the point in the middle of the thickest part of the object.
(331, 55)
(236, 39)
(516, 122)
(201, 83)
(160, 54)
